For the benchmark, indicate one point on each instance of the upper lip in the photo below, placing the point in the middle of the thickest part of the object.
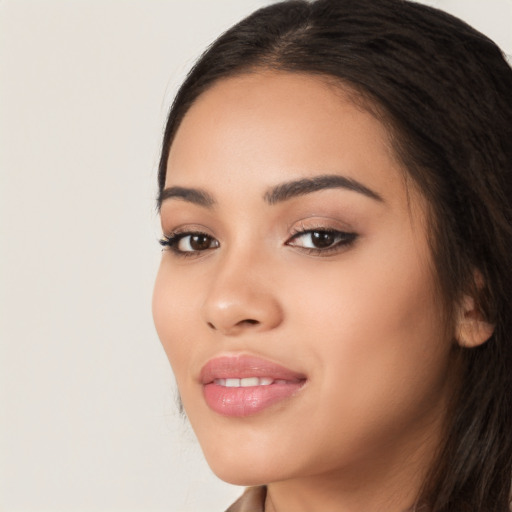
(243, 366)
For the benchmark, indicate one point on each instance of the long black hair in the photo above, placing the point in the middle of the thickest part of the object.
(445, 93)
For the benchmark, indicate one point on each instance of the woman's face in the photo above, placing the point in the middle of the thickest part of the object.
(296, 299)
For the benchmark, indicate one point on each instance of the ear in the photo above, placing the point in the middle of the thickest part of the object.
(472, 329)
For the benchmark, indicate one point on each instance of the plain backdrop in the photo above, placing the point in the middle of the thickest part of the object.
(88, 420)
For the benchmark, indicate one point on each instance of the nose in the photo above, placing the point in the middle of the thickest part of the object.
(242, 298)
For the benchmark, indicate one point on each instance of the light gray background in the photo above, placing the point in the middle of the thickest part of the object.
(87, 414)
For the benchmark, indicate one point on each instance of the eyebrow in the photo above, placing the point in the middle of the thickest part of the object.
(277, 194)
(192, 195)
(292, 189)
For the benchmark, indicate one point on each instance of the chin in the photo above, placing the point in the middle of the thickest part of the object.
(238, 467)
(242, 473)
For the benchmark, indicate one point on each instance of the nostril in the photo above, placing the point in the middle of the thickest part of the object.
(232, 328)
(248, 321)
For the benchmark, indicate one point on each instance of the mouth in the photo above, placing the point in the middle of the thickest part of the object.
(239, 386)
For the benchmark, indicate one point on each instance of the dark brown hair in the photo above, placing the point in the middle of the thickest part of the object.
(445, 92)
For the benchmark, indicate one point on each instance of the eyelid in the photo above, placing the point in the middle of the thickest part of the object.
(343, 238)
(170, 240)
(169, 228)
(346, 237)
(300, 234)
(320, 222)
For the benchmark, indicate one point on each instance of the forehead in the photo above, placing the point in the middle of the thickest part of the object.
(266, 127)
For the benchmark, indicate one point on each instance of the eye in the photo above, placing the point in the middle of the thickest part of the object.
(321, 241)
(189, 243)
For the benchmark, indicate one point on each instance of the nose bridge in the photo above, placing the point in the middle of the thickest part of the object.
(241, 295)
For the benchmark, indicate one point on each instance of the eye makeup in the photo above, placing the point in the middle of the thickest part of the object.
(318, 240)
(322, 241)
(189, 243)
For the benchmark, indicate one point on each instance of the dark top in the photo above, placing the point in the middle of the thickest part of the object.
(252, 500)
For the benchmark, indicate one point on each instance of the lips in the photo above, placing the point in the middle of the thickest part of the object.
(244, 385)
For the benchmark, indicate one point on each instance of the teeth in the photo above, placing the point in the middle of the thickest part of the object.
(246, 382)
(249, 381)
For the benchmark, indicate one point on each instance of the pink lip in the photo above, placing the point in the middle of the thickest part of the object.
(245, 401)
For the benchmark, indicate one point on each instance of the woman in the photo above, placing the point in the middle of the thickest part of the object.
(334, 297)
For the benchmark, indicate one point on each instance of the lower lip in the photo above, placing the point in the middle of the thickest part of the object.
(239, 402)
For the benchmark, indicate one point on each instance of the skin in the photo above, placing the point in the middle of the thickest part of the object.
(362, 322)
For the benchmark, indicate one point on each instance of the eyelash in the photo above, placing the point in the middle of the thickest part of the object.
(345, 240)
(172, 241)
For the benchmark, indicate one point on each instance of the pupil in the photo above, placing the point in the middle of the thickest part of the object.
(200, 242)
(322, 239)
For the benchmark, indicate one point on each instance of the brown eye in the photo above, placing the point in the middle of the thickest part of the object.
(322, 240)
(200, 242)
(195, 242)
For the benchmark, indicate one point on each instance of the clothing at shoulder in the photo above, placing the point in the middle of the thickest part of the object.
(252, 500)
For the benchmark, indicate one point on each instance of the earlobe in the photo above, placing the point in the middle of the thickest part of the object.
(472, 329)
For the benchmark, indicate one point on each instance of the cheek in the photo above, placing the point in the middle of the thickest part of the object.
(380, 335)
(172, 305)
(367, 292)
